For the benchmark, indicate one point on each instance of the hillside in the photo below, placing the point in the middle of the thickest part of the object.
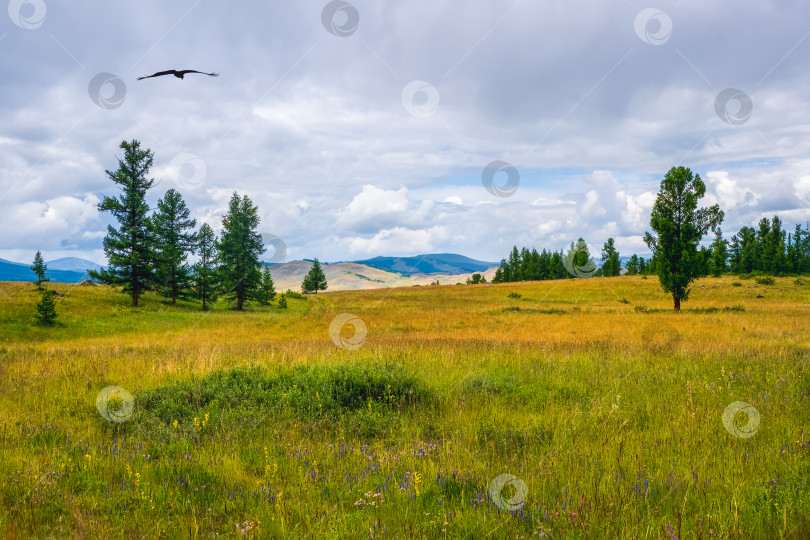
(340, 276)
(591, 393)
(346, 276)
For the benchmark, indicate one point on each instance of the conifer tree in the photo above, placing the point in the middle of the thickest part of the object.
(39, 268)
(46, 310)
(130, 247)
(204, 270)
(611, 264)
(267, 291)
(315, 280)
(239, 248)
(719, 254)
(632, 265)
(174, 239)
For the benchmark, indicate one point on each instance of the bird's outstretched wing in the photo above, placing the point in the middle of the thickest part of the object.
(158, 74)
(200, 72)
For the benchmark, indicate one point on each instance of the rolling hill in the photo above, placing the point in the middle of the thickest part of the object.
(345, 276)
(447, 268)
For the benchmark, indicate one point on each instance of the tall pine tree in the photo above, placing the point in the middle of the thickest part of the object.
(239, 249)
(39, 268)
(174, 239)
(130, 247)
(204, 270)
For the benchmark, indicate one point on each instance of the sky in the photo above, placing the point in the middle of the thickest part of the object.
(400, 128)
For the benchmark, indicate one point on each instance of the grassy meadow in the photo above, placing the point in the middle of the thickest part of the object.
(602, 401)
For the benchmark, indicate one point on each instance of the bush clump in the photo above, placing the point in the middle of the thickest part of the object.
(316, 391)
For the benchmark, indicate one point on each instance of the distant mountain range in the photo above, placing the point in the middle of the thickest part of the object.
(378, 272)
(436, 263)
(73, 269)
(65, 270)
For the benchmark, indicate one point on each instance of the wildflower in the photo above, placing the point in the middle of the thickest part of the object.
(175, 424)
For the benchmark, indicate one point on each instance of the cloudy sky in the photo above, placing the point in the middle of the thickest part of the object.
(399, 128)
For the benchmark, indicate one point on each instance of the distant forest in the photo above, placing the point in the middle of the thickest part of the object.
(766, 249)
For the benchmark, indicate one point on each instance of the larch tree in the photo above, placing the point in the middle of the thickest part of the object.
(174, 239)
(46, 310)
(204, 276)
(679, 226)
(130, 247)
(267, 289)
(39, 268)
(315, 280)
(239, 249)
(611, 264)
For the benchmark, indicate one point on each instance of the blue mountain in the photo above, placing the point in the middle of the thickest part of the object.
(66, 270)
(444, 263)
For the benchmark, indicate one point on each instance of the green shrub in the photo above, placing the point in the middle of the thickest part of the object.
(736, 284)
(514, 295)
(316, 391)
(765, 280)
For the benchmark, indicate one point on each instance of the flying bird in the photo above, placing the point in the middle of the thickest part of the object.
(178, 74)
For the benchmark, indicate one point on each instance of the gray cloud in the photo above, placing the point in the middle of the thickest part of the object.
(312, 125)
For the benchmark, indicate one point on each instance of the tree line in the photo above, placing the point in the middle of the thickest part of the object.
(767, 249)
(149, 251)
(677, 256)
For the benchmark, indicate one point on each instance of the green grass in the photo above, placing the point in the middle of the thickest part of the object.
(257, 422)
